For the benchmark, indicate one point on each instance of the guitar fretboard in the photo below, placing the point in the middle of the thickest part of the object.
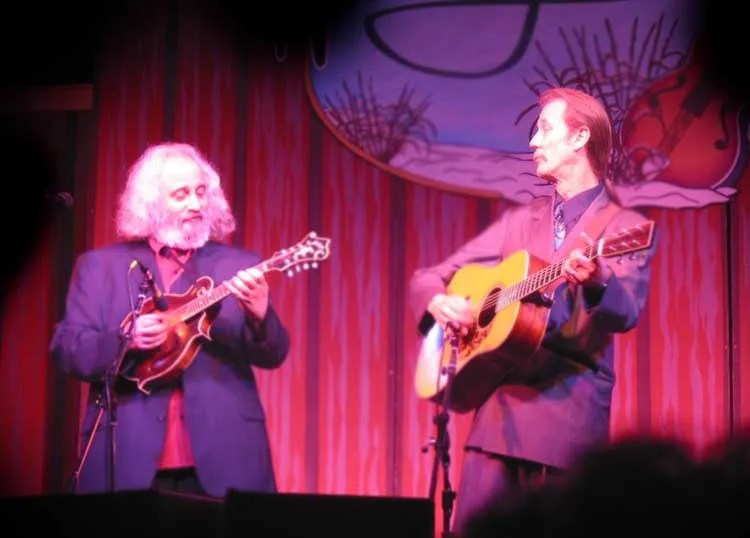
(629, 240)
(530, 284)
(205, 301)
(201, 303)
(315, 249)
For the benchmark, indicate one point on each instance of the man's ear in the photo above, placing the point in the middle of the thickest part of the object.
(580, 137)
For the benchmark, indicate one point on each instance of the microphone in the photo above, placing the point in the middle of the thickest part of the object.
(159, 300)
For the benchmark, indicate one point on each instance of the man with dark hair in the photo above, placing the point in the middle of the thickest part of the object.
(550, 398)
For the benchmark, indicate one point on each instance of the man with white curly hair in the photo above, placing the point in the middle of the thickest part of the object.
(192, 421)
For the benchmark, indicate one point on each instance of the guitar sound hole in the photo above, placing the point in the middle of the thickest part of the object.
(487, 312)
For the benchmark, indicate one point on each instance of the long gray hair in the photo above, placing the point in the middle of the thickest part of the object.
(138, 212)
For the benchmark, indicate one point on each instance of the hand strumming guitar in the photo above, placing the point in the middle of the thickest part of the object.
(452, 311)
(251, 289)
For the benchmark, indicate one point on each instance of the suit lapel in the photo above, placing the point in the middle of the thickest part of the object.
(540, 230)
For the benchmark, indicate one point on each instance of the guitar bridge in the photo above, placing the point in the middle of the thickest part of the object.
(471, 341)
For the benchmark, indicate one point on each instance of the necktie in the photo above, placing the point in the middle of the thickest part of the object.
(558, 226)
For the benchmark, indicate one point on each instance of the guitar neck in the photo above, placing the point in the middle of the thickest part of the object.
(632, 239)
(538, 280)
(204, 302)
(304, 255)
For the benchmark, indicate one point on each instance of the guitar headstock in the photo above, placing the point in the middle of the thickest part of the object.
(306, 254)
(631, 239)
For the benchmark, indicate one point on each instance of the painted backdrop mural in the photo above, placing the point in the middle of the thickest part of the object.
(444, 93)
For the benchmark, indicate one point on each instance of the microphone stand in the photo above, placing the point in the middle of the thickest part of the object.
(441, 443)
(107, 402)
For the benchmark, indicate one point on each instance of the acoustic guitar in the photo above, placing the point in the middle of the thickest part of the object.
(510, 322)
(189, 316)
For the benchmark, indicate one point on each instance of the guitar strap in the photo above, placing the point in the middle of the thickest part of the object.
(593, 229)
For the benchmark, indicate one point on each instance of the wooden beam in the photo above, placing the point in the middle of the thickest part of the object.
(65, 97)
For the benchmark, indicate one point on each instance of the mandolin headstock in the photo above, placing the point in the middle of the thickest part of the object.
(307, 254)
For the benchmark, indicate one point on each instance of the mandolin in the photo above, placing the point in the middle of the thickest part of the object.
(189, 316)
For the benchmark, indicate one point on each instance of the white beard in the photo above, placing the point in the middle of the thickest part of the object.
(184, 236)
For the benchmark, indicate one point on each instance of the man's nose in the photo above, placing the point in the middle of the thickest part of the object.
(193, 202)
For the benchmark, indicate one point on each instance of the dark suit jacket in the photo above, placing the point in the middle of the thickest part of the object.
(223, 412)
(562, 408)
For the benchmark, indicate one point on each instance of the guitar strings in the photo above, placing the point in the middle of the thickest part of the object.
(550, 273)
(315, 249)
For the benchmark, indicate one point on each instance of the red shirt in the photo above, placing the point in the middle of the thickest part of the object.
(177, 451)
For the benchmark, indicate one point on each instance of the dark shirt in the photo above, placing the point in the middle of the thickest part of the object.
(572, 210)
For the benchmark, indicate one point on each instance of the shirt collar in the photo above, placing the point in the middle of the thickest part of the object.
(573, 208)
